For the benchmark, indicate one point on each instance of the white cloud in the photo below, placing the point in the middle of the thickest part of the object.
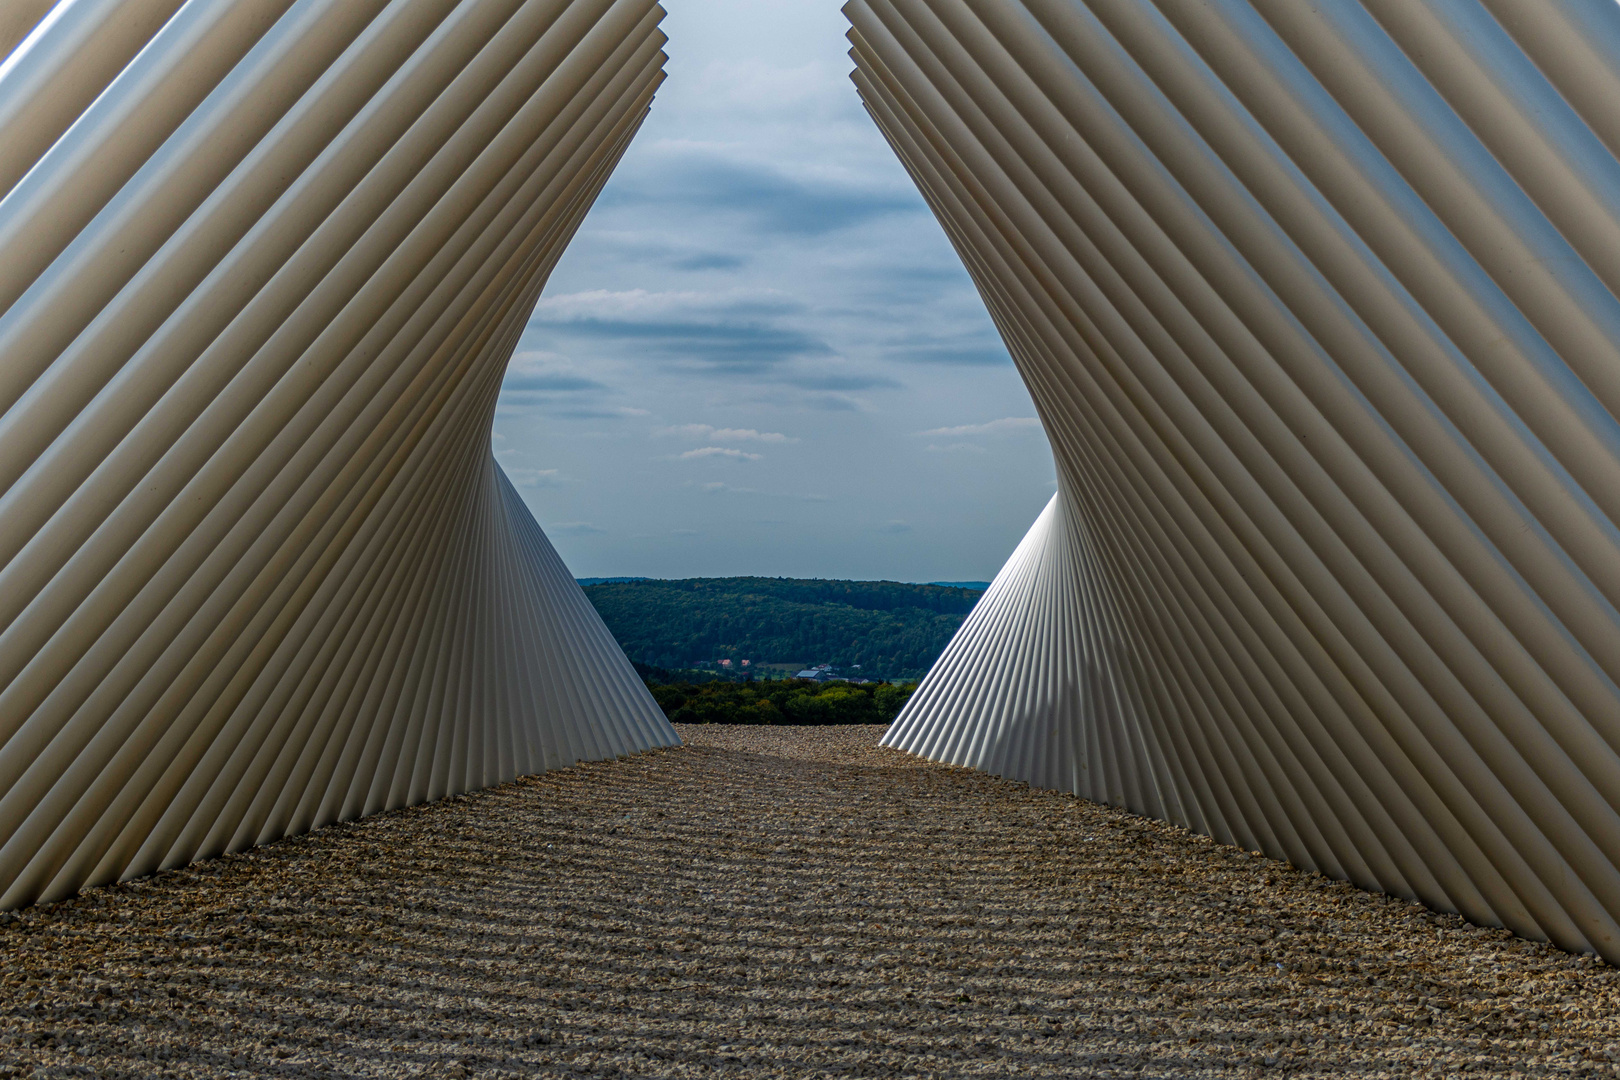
(639, 305)
(720, 451)
(532, 477)
(713, 434)
(760, 260)
(1006, 425)
(731, 489)
(811, 401)
(548, 374)
(763, 90)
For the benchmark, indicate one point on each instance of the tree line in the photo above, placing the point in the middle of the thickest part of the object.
(781, 701)
(891, 629)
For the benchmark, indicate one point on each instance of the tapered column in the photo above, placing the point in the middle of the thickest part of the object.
(1317, 304)
(258, 568)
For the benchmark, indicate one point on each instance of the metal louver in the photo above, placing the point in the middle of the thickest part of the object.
(1317, 304)
(262, 265)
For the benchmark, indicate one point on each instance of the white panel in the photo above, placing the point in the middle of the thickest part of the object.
(1317, 304)
(258, 568)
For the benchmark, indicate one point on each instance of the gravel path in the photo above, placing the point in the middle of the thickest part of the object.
(776, 902)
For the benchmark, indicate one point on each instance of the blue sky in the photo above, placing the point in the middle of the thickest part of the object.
(760, 355)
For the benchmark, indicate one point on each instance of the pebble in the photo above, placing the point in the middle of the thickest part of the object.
(777, 902)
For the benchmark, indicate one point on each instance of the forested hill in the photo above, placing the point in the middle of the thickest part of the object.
(891, 629)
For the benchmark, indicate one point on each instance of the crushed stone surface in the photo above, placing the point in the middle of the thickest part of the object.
(777, 902)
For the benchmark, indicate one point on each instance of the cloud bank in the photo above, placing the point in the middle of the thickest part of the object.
(761, 288)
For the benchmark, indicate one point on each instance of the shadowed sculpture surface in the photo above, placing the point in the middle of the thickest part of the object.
(1317, 304)
(262, 265)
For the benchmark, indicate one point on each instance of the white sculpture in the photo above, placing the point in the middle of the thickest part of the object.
(262, 265)
(1318, 305)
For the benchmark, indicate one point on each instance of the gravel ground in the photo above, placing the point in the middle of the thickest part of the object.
(777, 902)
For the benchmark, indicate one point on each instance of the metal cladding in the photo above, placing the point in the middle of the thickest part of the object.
(262, 265)
(1317, 303)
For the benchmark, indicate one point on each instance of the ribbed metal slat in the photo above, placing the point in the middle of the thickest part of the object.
(260, 569)
(1317, 306)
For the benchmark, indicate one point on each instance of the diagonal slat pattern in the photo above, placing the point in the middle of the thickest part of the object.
(1318, 306)
(259, 570)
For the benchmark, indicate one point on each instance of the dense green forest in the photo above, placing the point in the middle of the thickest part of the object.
(891, 629)
(781, 701)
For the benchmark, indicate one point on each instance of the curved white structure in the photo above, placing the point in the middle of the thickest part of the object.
(1320, 307)
(262, 264)
(1319, 304)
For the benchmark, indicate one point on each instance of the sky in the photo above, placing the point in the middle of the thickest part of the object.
(760, 354)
